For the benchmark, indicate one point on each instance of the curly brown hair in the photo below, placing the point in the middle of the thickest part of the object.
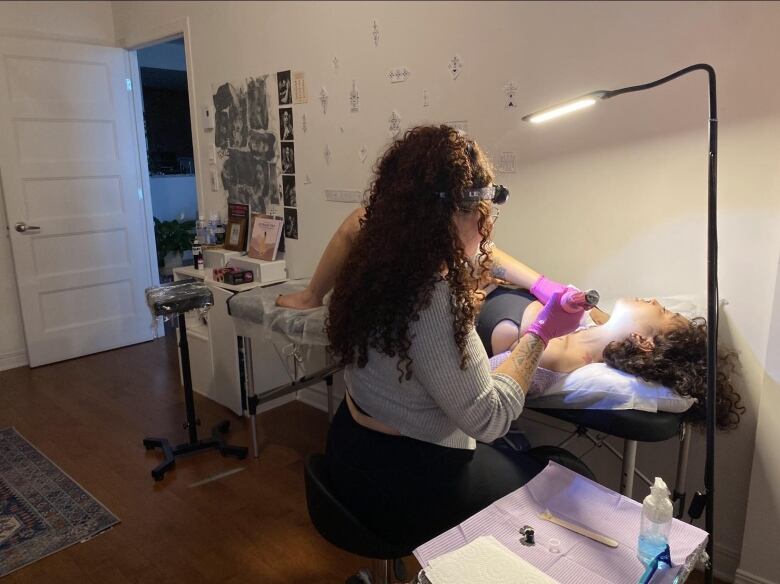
(678, 361)
(407, 239)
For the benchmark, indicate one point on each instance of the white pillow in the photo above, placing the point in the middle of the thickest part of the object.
(600, 387)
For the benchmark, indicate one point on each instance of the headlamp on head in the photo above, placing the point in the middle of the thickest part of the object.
(499, 194)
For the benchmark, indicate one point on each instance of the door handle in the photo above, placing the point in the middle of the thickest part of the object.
(21, 227)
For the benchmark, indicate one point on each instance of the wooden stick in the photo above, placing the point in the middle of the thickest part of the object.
(607, 541)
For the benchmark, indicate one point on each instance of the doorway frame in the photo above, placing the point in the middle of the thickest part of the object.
(179, 28)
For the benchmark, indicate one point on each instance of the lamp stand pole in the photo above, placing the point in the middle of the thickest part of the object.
(712, 290)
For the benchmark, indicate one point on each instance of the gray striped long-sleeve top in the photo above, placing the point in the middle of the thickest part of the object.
(441, 403)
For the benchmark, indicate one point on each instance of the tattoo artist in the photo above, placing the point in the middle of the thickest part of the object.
(403, 452)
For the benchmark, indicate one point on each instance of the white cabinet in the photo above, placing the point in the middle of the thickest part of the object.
(214, 351)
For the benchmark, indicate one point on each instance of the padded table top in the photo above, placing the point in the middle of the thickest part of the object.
(628, 424)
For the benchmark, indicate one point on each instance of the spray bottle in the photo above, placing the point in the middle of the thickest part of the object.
(657, 512)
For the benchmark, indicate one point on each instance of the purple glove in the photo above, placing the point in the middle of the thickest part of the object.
(554, 321)
(544, 288)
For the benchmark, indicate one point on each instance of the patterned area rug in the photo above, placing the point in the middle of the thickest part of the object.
(42, 510)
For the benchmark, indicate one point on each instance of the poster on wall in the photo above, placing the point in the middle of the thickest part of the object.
(288, 158)
(291, 223)
(286, 121)
(246, 135)
(285, 87)
(288, 191)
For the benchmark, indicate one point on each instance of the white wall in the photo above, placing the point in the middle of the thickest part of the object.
(614, 199)
(90, 22)
(762, 528)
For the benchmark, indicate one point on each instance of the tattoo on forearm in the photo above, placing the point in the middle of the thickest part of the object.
(525, 359)
(498, 271)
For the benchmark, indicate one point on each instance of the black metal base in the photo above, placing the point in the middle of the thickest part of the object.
(217, 441)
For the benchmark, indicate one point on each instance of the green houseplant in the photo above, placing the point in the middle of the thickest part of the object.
(172, 237)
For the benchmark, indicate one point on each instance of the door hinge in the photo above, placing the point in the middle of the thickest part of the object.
(129, 84)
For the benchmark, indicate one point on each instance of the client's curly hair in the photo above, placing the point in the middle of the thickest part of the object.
(406, 239)
(678, 361)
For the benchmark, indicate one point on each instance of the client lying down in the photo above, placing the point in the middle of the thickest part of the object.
(641, 337)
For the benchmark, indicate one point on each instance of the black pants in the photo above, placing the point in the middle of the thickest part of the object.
(408, 491)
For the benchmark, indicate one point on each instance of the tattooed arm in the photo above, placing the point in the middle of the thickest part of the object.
(508, 269)
(523, 361)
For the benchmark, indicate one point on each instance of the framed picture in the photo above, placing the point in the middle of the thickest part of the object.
(235, 234)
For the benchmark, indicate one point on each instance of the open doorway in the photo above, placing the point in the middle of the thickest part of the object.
(162, 70)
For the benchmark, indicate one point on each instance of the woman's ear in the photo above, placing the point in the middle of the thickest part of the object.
(642, 343)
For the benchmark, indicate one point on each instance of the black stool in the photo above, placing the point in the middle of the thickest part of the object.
(340, 527)
(177, 299)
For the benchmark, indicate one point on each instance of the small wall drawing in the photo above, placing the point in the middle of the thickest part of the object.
(324, 100)
(455, 65)
(395, 123)
(510, 89)
(354, 98)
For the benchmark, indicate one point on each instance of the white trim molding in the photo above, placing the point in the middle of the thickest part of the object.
(53, 36)
(13, 360)
(744, 577)
(157, 34)
(726, 562)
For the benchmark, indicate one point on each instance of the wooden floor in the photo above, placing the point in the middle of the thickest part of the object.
(89, 416)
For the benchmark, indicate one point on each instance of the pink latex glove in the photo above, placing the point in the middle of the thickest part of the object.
(554, 321)
(544, 288)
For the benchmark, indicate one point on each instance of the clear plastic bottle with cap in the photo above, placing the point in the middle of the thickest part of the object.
(200, 229)
(657, 513)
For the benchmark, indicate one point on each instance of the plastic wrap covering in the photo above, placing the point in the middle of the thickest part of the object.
(172, 299)
(256, 315)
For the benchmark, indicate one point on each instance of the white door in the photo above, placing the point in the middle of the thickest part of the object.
(70, 177)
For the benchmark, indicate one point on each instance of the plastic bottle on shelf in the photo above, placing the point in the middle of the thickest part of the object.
(657, 512)
(200, 229)
(211, 229)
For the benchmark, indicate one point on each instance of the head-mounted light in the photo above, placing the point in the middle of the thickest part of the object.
(499, 194)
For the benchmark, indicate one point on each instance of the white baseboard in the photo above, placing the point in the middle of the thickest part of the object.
(13, 360)
(726, 563)
(744, 577)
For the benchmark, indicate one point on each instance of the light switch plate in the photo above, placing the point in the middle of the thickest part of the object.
(208, 117)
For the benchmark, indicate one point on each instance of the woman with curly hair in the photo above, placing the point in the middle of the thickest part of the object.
(402, 449)
(641, 337)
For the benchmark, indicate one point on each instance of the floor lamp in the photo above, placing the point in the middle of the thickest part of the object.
(591, 99)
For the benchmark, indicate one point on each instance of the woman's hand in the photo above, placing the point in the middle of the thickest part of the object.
(544, 288)
(554, 321)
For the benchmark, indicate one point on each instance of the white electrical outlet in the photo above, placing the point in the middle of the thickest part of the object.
(343, 196)
(398, 74)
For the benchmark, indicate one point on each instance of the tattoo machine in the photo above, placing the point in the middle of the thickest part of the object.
(574, 300)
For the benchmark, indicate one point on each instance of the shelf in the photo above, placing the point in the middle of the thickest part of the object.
(203, 275)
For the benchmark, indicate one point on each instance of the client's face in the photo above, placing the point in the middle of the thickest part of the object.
(647, 316)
